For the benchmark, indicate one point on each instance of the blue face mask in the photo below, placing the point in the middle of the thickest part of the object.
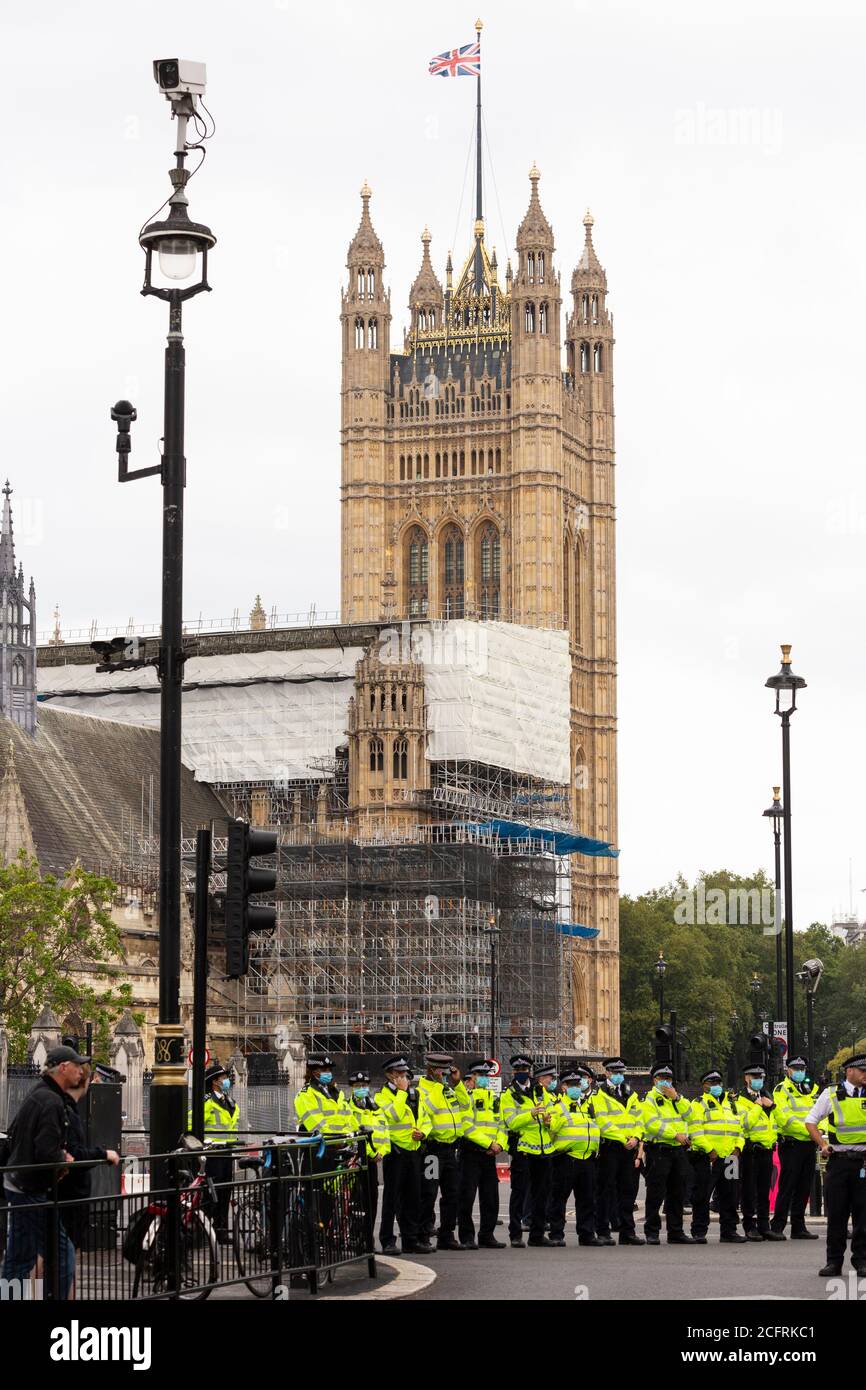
(756, 1083)
(482, 1082)
(617, 1078)
(716, 1091)
(362, 1092)
(226, 1083)
(551, 1084)
(584, 1083)
(662, 1087)
(574, 1092)
(798, 1076)
(325, 1077)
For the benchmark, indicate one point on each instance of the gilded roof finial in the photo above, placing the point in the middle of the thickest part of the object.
(479, 25)
(366, 191)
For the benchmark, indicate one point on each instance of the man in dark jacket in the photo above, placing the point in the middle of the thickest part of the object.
(40, 1135)
(77, 1183)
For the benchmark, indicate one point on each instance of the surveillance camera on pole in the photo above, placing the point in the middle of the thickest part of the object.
(810, 975)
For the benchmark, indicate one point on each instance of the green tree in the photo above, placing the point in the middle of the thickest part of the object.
(52, 933)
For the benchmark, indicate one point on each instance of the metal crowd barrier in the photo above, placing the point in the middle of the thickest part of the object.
(274, 1213)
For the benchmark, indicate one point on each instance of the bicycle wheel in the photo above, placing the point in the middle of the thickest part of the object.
(197, 1261)
(250, 1240)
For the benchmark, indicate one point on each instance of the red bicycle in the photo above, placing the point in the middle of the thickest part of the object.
(193, 1274)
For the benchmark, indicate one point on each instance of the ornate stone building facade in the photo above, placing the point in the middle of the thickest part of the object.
(478, 483)
(17, 631)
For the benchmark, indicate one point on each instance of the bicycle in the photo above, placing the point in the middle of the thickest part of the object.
(197, 1252)
(251, 1216)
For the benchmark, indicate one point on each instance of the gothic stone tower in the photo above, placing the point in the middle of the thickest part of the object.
(478, 482)
(17, 631)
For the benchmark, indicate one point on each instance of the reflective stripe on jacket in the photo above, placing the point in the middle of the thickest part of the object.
(533, 1135)
(575, 1127)
(847, 1120)
(317, 1108)
(617, 1121)
(663, 1118)
(714, 1126)
(370, 1119)
(396, 1109)
(446, 1109)
(792, 1107)
(220, 1121)
(759, 1127)
(483, 1125)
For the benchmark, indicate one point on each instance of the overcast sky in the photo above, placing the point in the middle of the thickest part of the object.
(720, 147)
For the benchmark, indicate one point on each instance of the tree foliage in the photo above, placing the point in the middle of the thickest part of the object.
(52, 932)
(711, 966)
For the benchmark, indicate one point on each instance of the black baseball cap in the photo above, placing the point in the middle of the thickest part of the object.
(65, 1053)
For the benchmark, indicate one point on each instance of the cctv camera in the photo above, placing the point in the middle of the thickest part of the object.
(178, 77)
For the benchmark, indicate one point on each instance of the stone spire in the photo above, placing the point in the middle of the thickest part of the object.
(7, 541)
(535, 232)
(426, 291)
(15, 831)
(589, 272)
(365, 248)
(258, 617)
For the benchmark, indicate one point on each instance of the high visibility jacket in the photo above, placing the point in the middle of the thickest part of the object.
(221, 1117)
(714, 1126)
(403, 1112)
(792, 1106)
(533, 1135)
(317, 1108)
(446, 1107)
(618, 1121)
(663, 1118)
(483, 1125)
(847, 1118)
(759, 1125)
(368, 1117)
(574, 1127)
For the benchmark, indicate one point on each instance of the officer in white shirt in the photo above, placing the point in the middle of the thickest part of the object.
(844, 1106)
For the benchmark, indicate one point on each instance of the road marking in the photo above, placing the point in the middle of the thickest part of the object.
(411, 1278)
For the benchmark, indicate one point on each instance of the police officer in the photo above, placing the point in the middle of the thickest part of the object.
(535, 1139)
(483, 1138)
(794, 1098)
(446, 1101)
(320, 1104)
(576, 1140)
(755, 1110)
(403, 1112)
(665, 1115)
(716, 1144)
(515, 1098)
(221, 1116)
(370, 1121)
(844, 1146)
(617, 1110)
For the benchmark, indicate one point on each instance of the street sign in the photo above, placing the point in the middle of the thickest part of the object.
(206, 1057)
(780, 1034)
(495, 1067)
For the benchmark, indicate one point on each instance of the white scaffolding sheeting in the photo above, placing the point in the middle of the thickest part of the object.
(496, 693)
(501, 695)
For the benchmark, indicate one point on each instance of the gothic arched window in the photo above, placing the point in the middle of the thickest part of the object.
(578, 597)
(377, 755)
(489, 566)
(530, 267)
(371, 283)
(359, 333)
(584, 357)
(529, 318)
(451, 549)
(372, 333)
(542, 318)
(566, 581)
(18, 671)
(541, 267)
(597, 358)
(584, 308)
(401, 759)
(417, 573)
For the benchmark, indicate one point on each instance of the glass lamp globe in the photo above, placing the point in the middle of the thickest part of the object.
(177, 257)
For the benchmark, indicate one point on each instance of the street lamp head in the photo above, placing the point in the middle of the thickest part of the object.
(661, 964)
(785, 683)
(775, 810)
(176, 239)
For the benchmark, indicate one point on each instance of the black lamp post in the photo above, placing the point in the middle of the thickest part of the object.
(775, 813)
(178, 243)
(786, 685)
(661, 967)
(492, 931)
(755, 987)
(712, 1022)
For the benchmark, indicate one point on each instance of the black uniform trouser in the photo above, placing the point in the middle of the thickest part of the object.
(220, 1171)
(540, 1167)
(665, 1182)
(756, 1175)
(477, 1175)
(845, 1195)
(440, 1175)
(617, 1176)
(372, 1189)
(401, 1195)
(519, 1176)
(716, 1176)
(797, 1164)
(573, 1176)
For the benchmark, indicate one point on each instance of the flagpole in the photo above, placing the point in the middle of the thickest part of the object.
(479, 205)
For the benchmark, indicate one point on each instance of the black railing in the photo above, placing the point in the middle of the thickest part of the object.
(274, 1214)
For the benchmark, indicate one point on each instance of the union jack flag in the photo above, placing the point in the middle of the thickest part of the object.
(457, 62)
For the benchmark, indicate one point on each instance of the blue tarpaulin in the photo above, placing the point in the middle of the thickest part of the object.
(572, 929)
(558, 841)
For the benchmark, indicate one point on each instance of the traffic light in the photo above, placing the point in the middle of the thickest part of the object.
(243, 879)
(759, 1048)
(664, 1045)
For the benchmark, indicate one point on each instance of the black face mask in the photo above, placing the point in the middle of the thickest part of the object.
(521, 1078)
